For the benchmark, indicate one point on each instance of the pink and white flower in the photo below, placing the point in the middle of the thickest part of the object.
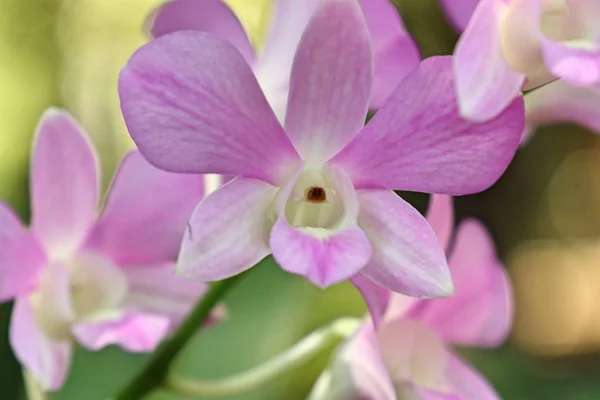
(101, 280)
(409, 354)
(509, 45)
(395, 53)
(317, 194)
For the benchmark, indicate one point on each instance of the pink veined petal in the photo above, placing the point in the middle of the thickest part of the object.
(64, 184)
(192, 105)
(440, 216)
(395, 54)
(417, 141)
(357, 372)
(560, 101)
(377, 297)
(459, 12)
(480, 314)
(212, 16)
(134, 332)
(157, 290)
(21, 257)
(145, 213)
(485, 83)
(331, 81)
(407, 256)
(289, 20)
(575, 65)
(467, 383)
(323, 255)
(47, 360)
(228, 231)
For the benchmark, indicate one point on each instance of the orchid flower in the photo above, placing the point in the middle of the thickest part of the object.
(509, 45)
(317, 194)
(100, 280)
(409, 356)
(395, 53)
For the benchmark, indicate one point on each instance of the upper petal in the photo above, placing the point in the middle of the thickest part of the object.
(134, 332)
(560, 101)
(357, 372)
(485, 83)
(394, 52)
(289, 20)
(440, 216)
(213, 16)
(480, 313)
(324, 255)
(21, 257)
(228, 231)
(418, 141)
(145, 213)
(64, 184)
(407, 256)
(331, 81)
(459, 11)
(192, 105)
(47, 360)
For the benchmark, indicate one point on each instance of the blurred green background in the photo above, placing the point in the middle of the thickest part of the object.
(544, 214)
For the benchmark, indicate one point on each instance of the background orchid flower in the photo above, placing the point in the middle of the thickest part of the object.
(511, 44)
(409, 354)
(101, 280)
(395, 53)
(193, 105)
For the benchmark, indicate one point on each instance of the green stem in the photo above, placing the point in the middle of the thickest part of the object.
(154, 373)
(32, 388)
(243, 382)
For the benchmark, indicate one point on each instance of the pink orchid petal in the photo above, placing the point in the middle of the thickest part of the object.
(394, 52)
(560, 101)
(192, 105)
(485, 83)
(323, 255)
(417, 141)
(212, 16)
(21, 257)
(459, 12)
(64, 184)
(145, 213)
(407, 256)
(467, 383)
(377, 297)
(440, 216)
(157, 290)
(357, 372)
(575, 65)
(480, 313)
(331, 81)
(228, 231)
(289, 20)
(135, 332)
(414, 355)
(47, 360)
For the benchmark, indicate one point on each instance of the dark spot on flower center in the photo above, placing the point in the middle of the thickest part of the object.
(316, 194)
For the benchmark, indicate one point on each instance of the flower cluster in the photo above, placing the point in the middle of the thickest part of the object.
(306, 181)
